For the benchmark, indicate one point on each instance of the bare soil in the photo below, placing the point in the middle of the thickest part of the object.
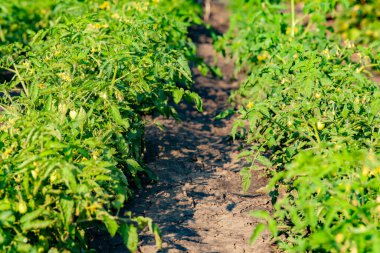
(198, 201)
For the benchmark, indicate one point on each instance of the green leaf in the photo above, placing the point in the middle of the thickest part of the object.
(32, 215)
(134, 166)
(272, 225)
(198, 101)
(157, 235)
(130, 236)
(259, 229)
(178, 94)
(264, 161)
(184, 68)
(246, 178)
(245, 153)
(37, 224)
(345, 112)
(69, 178)
(82, 116)
(116, 116)
(111, 224)
(67, 207)
(225, 114)
(260, 214)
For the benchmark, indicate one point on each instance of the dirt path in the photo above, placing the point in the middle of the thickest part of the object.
(198, 202)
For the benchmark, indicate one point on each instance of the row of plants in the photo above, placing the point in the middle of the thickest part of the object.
(19, 19)
(360, 21)
(83, 75)
(310, 117)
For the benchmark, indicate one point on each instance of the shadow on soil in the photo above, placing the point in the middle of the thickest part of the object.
(196, 202)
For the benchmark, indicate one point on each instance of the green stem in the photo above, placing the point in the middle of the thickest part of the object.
(316, 134)
(367, 66)
(21, 80)
(2, 35)
(293, 18)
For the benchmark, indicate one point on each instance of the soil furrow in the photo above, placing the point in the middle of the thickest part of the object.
(198, 201)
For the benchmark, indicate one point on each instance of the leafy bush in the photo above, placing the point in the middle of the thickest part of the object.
(310, 114)
(303, 97)
(359, 21)
(71, 137)
(332, 204)
(56, 179)
(19, 19)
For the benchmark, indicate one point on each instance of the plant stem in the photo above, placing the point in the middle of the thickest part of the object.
(316, 134)
(367, 66)
(293, 17)
(21, 80)
(2, 36)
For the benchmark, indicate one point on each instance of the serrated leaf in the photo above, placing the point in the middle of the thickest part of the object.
(246, 178)
(264, 161)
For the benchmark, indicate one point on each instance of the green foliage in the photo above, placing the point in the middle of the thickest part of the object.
(359, 21)
(19, 19)
(71, 131)
(309, 106)
(308, 97)
(333, 203)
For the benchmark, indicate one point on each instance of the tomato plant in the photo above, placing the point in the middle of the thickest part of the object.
(332, 202)
(71, 121)
(359, 21)
(310, 116)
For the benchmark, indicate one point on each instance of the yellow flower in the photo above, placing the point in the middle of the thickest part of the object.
(289, 30)
(339, 238)
(92, 208)
(375, 172)
(250, 105)
(64, 76)
(365, 171)
(7, 153)
(95, 155)
(41, 86)
(263, 56)
(105, 6)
